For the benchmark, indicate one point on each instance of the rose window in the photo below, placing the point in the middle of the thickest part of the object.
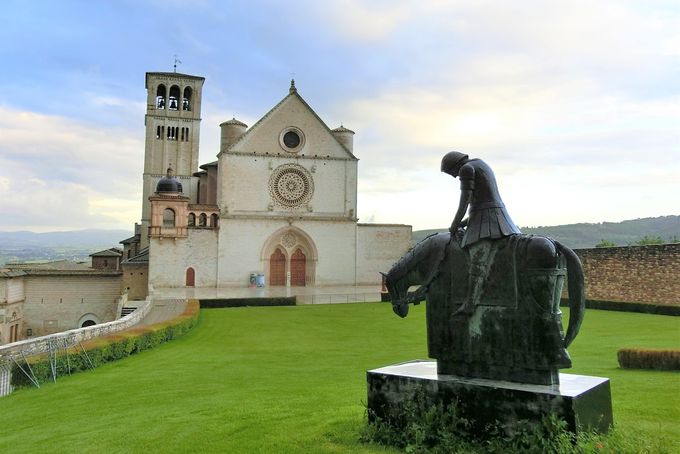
(291, 185)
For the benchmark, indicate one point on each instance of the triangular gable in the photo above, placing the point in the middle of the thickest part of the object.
(263, 137)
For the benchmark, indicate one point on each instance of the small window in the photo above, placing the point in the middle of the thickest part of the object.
(202, 220)
(214, 220)
(168, 218)
(192, 220)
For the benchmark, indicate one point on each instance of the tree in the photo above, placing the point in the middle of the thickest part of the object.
(605, 243)
(648, 240)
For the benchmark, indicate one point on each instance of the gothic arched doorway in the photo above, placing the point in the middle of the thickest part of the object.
(298, 268)
(191, 277)
(277, 268)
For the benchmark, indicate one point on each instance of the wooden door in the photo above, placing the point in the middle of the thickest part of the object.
(191, 277)
(298, 268)
(277, 268)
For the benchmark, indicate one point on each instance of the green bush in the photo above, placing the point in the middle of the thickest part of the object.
(639, 358)
(245, 302)
(426, 428)
(96, 352)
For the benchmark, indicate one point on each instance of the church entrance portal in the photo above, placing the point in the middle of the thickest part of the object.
(290, 257)
(277, 268)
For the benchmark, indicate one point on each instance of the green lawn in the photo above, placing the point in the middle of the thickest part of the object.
(292, 379)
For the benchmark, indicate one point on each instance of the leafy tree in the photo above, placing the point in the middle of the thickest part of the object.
(605, 243)
(647, 240)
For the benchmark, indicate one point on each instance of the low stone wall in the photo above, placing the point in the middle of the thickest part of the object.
(633, 274)
(43, 344)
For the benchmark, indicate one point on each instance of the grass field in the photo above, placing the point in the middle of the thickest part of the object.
(292, 379)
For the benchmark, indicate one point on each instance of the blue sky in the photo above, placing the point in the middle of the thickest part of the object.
(576, 105)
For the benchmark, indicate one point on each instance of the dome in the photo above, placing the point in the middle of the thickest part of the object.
(234, 122)
(342, 129)
(169, 184)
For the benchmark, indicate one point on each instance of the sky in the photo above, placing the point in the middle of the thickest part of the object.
(574, 104)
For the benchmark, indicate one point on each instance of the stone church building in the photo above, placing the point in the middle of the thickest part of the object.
(279, 201)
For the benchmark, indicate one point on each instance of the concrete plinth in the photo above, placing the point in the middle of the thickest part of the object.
(583, 402)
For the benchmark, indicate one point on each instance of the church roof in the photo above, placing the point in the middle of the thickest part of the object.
(111, 252)
(142, 257)
(209, 164)
(132, 239)
(342, 129)
(234, 121)
(292, 92)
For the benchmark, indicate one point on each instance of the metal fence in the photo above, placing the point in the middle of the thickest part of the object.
(5, 379)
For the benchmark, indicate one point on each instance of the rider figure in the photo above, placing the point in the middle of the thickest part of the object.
(487, 221)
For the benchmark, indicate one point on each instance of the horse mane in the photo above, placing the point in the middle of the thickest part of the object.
(421, 251)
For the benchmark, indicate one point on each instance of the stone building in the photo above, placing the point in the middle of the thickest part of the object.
(38, 299)
(280, 200)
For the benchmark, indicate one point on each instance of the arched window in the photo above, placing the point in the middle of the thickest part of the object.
(168, 218)
(173, 100)
(160, 97)
(214, 220)
(192, 220)
(202, 220)
(186, 100)
(88, 323)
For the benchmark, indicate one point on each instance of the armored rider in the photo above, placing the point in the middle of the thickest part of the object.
(488, 219)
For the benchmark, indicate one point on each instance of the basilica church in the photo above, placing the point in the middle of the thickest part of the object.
(280, 200)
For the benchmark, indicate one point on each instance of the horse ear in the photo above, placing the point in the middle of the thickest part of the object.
(384, 274)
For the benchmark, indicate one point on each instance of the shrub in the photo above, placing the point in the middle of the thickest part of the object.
(243, 302)
(639, 358)
(95, 352)
(423, 428)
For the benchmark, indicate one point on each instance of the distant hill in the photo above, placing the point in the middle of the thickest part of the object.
(71, 245)
(586, 235)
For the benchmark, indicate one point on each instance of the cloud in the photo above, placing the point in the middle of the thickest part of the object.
(57, 173)
(579, 122)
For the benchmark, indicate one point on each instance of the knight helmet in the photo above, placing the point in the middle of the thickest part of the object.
(452, 162)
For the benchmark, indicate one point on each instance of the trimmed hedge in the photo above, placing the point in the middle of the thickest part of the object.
(638, 358)
(108, 348)
(243, 302)
(657, 309)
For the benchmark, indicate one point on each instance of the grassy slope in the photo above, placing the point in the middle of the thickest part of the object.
(292, 379)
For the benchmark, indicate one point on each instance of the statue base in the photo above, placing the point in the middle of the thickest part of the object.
(584, 402)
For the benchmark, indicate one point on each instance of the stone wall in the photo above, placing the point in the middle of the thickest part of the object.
(633, 274)
(379, 247)
(58, 301)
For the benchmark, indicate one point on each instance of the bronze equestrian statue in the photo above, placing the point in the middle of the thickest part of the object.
(493, 294)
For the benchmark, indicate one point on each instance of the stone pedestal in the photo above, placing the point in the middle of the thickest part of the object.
(583, 402)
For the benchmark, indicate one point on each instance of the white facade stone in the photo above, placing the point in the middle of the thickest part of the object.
(286, 194)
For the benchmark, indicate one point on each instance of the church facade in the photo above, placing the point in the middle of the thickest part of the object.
(280, 200)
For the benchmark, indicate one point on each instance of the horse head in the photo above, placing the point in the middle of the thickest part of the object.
(398, 305)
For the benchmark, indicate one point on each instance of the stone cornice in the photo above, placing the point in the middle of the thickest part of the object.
(288, 217)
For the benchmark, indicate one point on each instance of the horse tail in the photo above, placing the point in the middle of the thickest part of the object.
(577, 298)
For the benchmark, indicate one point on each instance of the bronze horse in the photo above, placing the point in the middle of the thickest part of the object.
(515, 333)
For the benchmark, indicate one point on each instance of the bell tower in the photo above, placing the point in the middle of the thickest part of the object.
(173, 119)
